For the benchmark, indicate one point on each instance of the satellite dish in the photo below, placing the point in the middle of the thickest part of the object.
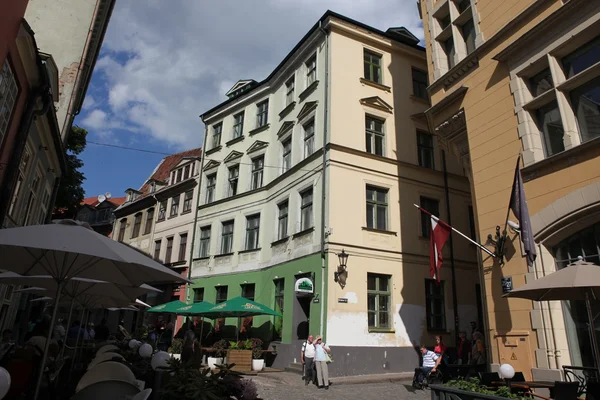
(108, 195)
(101, 198)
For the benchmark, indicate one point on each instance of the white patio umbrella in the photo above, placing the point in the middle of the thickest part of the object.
(76, 287)
(577, 281)
(67, 250)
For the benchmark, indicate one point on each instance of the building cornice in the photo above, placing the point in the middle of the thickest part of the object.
(544, 26)
(131, 208)
(471, 62)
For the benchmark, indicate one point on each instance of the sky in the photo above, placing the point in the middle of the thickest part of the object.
(163, 63)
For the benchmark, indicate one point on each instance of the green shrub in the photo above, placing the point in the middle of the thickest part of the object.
(176, 346)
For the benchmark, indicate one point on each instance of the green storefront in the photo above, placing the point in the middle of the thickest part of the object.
(292, 288)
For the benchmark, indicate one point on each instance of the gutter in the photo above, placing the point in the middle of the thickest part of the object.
(53, 197)
(323, 184)
(188, 288)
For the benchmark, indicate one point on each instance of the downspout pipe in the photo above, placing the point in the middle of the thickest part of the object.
(189, 275)
(52, 200)
(323, 183)
(452, 266)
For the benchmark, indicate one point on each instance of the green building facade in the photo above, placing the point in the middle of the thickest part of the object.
(275, 287)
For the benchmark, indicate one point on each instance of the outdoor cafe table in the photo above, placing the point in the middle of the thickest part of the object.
(529, 385)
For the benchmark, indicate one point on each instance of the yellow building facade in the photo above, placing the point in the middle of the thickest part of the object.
(521, 77)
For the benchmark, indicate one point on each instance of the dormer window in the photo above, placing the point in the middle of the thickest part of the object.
(152, 187)
(179, 173)
(186, 172)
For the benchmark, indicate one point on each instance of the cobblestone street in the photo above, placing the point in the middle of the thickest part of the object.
(289, 386)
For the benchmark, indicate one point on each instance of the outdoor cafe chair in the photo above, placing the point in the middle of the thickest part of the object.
(103, 357)
(106, 371)
(108, 390)
(561, 391)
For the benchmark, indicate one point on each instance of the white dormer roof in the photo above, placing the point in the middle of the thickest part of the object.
(239, 84)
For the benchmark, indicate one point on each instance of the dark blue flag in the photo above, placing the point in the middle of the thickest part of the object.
(518, 205)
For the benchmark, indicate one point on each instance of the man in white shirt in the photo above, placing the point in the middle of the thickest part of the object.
(307, 357)
(431, 361)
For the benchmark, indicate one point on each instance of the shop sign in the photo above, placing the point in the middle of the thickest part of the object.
(304, 285)
(507, 285)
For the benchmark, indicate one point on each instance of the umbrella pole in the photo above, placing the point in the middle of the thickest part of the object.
(592, 329)
(47, 346)
(87, 317)
(76, 343)
(62, 351)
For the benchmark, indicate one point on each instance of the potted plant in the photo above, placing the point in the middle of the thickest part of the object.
(240, 354)
(220, 349)
(470, 390)
(258, 362)
(175, 349)
(189, 381)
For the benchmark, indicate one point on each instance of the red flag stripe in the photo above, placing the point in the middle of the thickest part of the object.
(440, 232)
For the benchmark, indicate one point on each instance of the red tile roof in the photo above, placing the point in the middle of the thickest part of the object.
(161, 174)
(93, 201)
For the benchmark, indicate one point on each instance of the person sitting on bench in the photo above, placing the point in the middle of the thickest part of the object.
(431, 362)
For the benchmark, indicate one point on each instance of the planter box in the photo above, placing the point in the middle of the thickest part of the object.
(440, 392)
(241, 358)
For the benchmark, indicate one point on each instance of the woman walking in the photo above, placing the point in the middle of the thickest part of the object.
(321, 350)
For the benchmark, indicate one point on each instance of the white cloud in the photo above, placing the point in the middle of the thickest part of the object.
(160, 79)
(89, 102)
(96, 119)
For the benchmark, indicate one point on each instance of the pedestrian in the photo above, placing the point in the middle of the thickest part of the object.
(474, 328)
(478, 350)
(102, 331)
(464, 348)
(431, 362)
(188, 349)
(440, 348)
(91, 331)
(321, 358)
(59, 331)
(307, 356)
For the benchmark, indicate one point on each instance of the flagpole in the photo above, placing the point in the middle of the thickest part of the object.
(459, 232)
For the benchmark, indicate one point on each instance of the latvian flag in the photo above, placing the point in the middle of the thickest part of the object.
(440, 231)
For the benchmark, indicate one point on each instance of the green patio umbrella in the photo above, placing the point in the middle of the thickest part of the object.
(239, 307)
(167, 308)
(196, 309)
(189, 310)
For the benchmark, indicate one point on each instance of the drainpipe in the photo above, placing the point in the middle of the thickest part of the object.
(323, 184)
(452, 268)
(53, 199)
(187, 286)
(550, 332)
(12, 169)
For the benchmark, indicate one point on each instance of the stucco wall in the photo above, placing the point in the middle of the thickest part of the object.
(61, 28)
(494, 145)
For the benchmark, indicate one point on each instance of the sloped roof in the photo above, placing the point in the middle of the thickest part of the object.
(163, 170)
(398, 34)
(161, 174)
(93, 201)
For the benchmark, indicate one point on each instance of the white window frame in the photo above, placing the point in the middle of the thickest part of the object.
(23, 174)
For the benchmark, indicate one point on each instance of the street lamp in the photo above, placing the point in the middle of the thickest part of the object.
(341, 274)
(343, 257)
